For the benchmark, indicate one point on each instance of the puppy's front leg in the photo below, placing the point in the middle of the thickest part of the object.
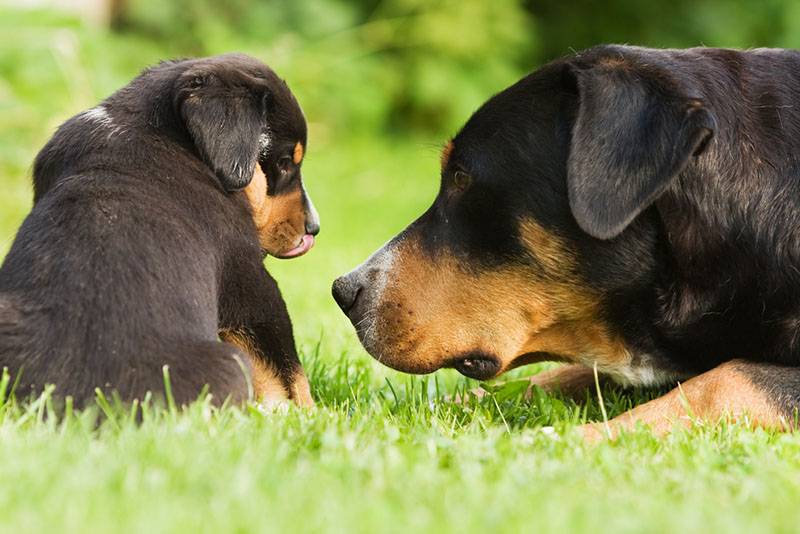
(256, 320)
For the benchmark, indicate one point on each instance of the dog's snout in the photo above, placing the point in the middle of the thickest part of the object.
(345, 292)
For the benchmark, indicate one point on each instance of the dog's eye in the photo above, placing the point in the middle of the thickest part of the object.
(461, 180)
(197, 82)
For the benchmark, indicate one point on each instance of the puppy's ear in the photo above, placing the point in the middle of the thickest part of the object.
(630, 138)
(227, 127)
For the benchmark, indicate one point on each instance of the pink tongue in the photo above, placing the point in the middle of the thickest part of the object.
(304, 246)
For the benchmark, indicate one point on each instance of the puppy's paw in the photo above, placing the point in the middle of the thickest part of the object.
(300, 391)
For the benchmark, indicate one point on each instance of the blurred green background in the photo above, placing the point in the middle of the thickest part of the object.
(383, 84)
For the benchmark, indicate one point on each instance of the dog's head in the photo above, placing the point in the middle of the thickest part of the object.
(248, 128)
(541, 231)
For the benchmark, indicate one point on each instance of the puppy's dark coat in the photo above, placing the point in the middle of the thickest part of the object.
(629, 208)
(141, 250)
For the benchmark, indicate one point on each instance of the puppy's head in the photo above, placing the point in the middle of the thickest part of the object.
(249, 129)
(537, 236)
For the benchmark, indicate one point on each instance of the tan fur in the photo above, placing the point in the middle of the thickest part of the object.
(613, 62)
(723, 392)
(300, 391)
(432, 310)
(267, 386)
(445, 157)
(297, 156)
(280, 219)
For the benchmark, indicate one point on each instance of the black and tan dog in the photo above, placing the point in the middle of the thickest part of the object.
(631, 209)
(152, 214)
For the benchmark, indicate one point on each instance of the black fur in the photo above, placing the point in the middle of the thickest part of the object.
(135, 255)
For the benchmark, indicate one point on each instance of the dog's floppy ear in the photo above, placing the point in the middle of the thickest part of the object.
(631, 137)
(226, 126)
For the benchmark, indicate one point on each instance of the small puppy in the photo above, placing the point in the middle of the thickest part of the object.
(152, 215)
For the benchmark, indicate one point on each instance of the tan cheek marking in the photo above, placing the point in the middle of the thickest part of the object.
(549, 250)
(280, 219)
(577, 329)
(285, 224)
(297, 157)
(445, 157)
(267, 385)
(256, 192)
(459, 311)
(511, 313)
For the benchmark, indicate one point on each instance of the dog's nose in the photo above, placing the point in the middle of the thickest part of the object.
(345, 292)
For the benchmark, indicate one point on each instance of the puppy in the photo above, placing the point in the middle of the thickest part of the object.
(152, 215)
(631, 210)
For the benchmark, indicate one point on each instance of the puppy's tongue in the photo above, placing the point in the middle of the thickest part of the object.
(305, 245)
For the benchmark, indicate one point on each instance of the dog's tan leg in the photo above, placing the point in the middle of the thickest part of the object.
(761, 395)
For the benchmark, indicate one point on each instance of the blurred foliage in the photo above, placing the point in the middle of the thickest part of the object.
(423, 66)
(394, 65)
(565, 26)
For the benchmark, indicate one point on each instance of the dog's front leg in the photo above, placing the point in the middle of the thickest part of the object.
(756, 394)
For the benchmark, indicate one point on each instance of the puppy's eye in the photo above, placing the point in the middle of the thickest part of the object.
(461, 180)
(285, 165)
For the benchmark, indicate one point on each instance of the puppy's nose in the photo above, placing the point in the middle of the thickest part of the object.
(312, 217)
(312, 226)
(345, 292)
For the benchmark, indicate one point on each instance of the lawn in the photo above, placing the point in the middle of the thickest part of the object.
(382, 452)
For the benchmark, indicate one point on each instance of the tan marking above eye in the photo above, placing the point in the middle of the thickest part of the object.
(445, 157)
(297, 157)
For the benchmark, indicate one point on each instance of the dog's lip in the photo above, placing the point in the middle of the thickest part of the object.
(476, 366)
(306, 242)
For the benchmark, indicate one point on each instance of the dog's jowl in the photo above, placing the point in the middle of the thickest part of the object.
(152, 215)
(628, 209)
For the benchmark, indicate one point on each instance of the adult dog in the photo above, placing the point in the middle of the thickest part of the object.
(152, 215)
(632, 209)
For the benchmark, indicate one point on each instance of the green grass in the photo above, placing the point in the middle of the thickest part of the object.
(382, 452)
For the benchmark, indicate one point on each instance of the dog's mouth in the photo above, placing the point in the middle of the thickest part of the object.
(305, 244)
(477, 366)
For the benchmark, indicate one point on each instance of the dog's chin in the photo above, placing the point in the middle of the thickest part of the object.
(389, 356)
(477, 366)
